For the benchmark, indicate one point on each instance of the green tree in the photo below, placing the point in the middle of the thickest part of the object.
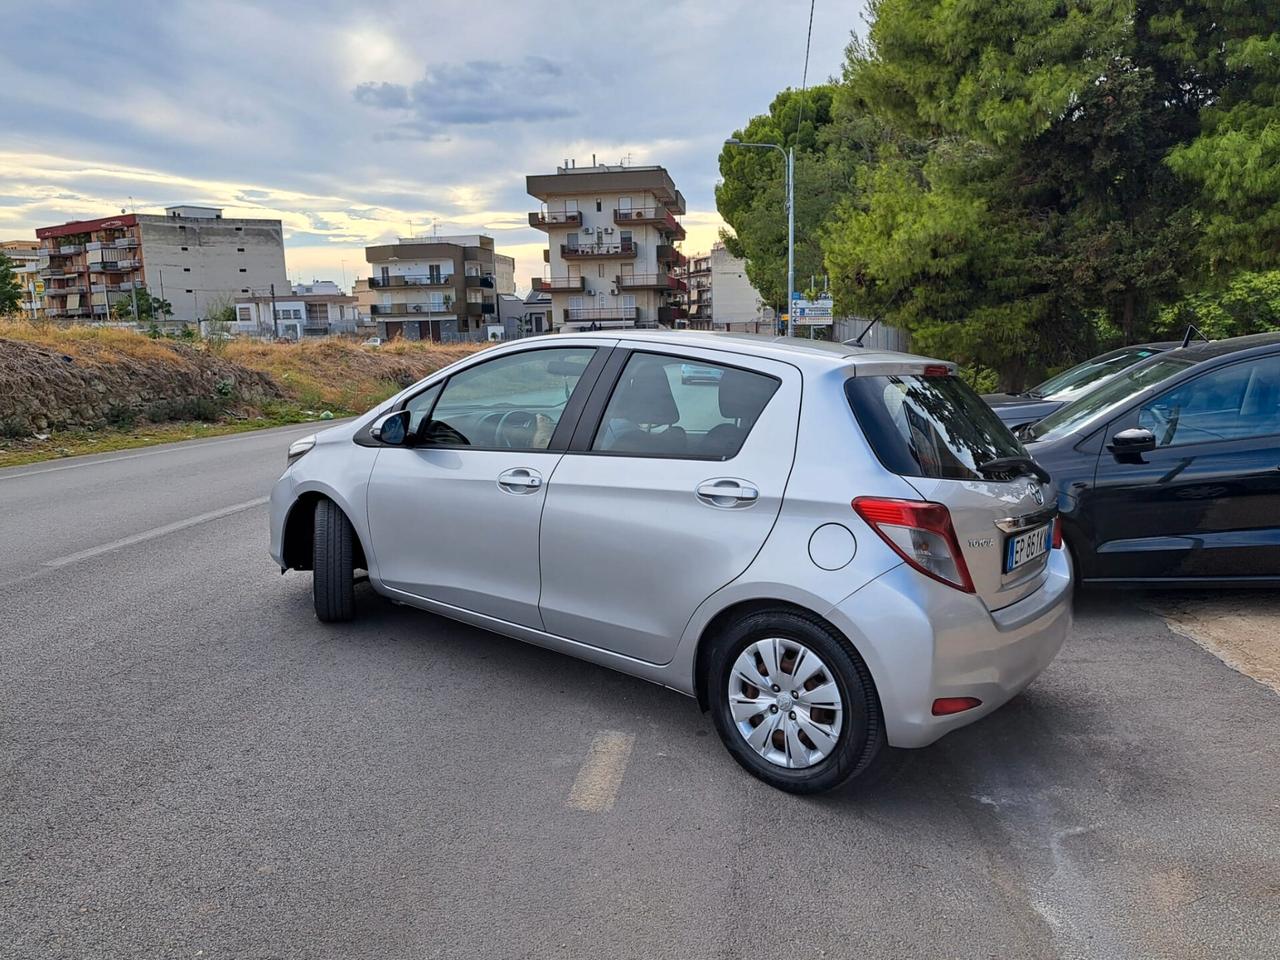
(1057, 196)
(150, 308)
(1248, 303)
(10, 289)
(751, 196)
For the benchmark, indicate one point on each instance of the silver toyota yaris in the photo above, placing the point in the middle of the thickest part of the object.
(835, 550)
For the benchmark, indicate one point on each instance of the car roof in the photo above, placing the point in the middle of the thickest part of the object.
(1201, 350)
(788, 349)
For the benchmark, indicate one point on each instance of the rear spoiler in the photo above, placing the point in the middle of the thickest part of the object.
(900, 365)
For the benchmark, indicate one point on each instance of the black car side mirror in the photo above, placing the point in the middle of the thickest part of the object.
(1133, 440)
(392, 429)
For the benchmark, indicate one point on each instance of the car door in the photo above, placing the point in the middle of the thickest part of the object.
(666, 494)
(1205, 502)
(454, 517)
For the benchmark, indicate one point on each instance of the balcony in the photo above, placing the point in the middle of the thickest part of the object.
(477, 309)
(669, 315)
(115, 266)
(554, 284)
(125, 243)
(474, 280)
(617, 250)
(649, 281)
(55, 273)
(428, 309)
(424, 280)
(613, 314)
(546, 219)
(657, 216)
(669, 254)
(66, 288)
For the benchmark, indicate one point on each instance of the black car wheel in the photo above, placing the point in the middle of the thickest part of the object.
(333, 569)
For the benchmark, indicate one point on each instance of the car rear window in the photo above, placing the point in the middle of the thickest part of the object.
(933, 427)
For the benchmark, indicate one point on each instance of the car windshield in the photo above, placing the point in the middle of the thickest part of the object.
(933, 427)
(1072, 383)
(1096, 405)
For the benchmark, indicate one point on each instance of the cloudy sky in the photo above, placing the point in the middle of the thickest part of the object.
(353, 123)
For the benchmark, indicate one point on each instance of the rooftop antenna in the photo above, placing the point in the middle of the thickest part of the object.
(1192, 328)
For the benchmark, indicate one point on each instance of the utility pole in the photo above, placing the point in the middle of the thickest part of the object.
(160, 272)
(133, 282)
(275, 324)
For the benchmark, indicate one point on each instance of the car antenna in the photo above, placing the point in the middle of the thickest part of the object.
(857, 341)
(1192, 328)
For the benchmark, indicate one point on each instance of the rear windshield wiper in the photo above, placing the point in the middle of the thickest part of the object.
(1012, 467)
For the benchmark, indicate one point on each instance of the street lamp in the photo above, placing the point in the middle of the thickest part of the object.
(789, 156)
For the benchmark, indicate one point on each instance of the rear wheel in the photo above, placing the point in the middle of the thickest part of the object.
(333, 569)
(793, 702)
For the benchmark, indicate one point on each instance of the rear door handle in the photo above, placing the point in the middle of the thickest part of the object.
(727, 492)
(520, 480)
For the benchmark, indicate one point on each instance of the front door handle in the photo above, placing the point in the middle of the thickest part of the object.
(727, 492)
(519, 480)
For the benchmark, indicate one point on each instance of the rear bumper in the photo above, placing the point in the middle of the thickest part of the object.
(923, 640)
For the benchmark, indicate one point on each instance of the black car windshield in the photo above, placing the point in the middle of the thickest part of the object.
(1072, 383)
(933, 427)
(1096, 405)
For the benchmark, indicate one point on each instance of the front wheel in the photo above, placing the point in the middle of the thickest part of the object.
(333, 568)
(793, 702)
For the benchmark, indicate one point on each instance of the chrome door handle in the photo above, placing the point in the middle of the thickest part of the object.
(727, 492)
(520, 480)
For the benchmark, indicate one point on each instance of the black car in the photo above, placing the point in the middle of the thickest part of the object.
(1019, 409)
(1170, 472)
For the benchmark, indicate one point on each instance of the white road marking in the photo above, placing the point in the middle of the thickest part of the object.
(154, 532)
(598, 781)
(82, 461)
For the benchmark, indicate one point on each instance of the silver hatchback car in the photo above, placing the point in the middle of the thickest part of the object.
(835, 550)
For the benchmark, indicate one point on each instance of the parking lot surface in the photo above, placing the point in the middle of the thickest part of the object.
(193, 766)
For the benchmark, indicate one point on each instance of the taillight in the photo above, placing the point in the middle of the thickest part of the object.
(921, 533)
(1057, 533)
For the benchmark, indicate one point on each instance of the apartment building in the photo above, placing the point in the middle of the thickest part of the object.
(191, 256)
(440, 288)
(317, 309)
(24, 255)
(611, 252)
(737, 305)
(697, 275)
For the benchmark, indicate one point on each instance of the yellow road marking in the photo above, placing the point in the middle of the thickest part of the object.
(598, 781)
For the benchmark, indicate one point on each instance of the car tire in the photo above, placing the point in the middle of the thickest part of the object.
(861, 739)
(333, 570)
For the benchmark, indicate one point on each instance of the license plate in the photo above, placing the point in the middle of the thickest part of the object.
(1025, 547)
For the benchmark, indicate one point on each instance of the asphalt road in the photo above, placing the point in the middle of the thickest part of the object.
(192, 766)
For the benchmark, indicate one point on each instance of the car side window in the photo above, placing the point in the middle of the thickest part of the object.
(511, 402)
(1233, 403)
(419, 406)
(666, 406)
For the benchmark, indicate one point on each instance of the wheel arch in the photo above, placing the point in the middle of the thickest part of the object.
(299, 531)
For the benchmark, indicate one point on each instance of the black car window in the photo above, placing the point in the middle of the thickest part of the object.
(1095, 407)
(1071, 383)
(1232, 403)
(513, 401)
(929, 426)
(671, 407)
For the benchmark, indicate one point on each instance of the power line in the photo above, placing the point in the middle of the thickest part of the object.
(804, 77)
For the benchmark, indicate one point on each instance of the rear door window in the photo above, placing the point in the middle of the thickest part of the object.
(1237, 402)
(665, 406)
(934, 427)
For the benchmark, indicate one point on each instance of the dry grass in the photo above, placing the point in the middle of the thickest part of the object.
(91, 345)
(341, 375)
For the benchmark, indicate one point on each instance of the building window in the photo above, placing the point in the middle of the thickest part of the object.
(243, 270)
(239, 228)
(180, 226)
(598, 207)
(190, 291)
(184, 248)
(238, 249)
(243, 313)
(186, 269)
(244, 289)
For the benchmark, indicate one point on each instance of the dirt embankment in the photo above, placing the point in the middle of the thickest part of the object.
(83, 378)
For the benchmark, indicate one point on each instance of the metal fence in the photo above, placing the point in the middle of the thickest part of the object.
(880, 337)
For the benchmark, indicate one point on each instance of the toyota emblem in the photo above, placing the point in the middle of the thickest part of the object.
(1036, 493)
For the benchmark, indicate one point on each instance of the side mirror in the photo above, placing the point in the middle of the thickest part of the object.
(1133, 440)
(392, 429)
